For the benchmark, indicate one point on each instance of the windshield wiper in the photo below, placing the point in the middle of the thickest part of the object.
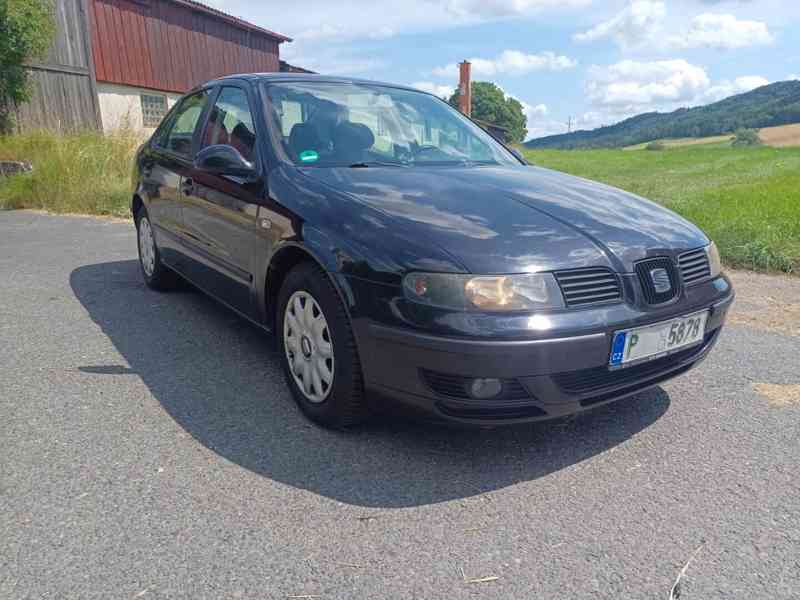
(365, 164)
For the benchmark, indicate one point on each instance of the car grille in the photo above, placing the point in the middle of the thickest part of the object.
(582, 287)
(645, 268)
(694, 266)
(455, 386)
(598, 378)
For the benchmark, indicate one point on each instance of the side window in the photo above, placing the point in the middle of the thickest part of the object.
(231, 122)
(178, 137)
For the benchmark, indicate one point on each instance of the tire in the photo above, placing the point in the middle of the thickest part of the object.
(155, 274)
(322, 354)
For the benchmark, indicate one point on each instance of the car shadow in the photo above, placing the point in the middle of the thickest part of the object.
(220, 379)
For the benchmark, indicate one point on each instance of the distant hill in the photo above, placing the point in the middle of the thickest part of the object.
(767, 106)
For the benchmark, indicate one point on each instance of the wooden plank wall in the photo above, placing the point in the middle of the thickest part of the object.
(64, 95)
(163, 45)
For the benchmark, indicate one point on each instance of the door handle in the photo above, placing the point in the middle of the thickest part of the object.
(187, 187)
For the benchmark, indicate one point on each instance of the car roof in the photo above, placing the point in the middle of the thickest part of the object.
(310, 77)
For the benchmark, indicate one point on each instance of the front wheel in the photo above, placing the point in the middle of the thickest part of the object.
(320, 357)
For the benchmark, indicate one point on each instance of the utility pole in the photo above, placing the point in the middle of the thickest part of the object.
(569, 125)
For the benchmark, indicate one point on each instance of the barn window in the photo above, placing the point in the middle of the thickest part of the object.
(153, 109)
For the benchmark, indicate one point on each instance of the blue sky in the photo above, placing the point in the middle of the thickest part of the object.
(594, 61)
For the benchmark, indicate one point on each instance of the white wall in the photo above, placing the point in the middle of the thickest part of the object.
(121, 106)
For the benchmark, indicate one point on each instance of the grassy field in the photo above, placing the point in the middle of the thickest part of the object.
(747, 199)
(84, 173)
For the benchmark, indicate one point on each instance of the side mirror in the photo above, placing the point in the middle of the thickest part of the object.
(519, 155)
(221, 159)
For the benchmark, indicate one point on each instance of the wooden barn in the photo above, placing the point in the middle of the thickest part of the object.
(123, 63)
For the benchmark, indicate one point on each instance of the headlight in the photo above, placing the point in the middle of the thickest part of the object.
(714, 262)
(535, 291)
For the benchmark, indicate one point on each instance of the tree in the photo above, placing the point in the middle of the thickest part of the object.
(490, 104)
(747, 137)
(26, 31)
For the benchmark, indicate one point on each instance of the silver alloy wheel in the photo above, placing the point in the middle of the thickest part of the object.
(308, 345)
(147, 247)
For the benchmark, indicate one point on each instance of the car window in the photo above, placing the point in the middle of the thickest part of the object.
(231, 122)
(334, 124)
(178, 137)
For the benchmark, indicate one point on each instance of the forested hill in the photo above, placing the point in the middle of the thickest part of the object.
(774, 104)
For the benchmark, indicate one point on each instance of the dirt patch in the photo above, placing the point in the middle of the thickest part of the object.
(785, 135)
(766, 302)
(779, 396)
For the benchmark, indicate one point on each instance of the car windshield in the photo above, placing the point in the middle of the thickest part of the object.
(327, 124)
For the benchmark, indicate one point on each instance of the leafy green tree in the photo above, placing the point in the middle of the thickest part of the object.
(491, 105)
(747, 137)
(26, 31)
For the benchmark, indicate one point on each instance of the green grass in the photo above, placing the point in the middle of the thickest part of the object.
(85, 173)
(746, 199)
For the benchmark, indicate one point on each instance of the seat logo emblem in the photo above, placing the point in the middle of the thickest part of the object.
(661, 282)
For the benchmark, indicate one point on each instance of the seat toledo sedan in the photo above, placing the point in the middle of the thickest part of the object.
(403, 256)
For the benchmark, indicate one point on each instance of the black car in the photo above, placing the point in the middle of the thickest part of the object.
(402, 255)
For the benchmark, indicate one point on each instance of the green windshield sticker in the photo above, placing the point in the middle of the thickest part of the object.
(308, 156)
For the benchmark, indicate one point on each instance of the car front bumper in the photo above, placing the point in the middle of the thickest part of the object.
(560, 374)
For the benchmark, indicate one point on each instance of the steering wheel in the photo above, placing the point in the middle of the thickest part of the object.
(419, 150)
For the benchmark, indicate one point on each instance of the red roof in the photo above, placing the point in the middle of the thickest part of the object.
(231, 19)
(175, 45)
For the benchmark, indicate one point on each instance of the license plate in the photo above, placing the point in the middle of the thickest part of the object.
(654, 341)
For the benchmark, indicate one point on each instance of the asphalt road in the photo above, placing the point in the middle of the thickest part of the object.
(149, 449)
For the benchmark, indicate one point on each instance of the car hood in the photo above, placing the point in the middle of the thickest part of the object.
(518, 219)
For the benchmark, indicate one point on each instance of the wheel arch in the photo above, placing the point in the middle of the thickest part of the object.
(283, 260)
(136, 204)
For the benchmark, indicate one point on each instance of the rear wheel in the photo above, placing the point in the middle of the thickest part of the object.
(319, 355)
(156, 275)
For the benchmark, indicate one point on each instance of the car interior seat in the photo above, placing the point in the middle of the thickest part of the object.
(351, 141)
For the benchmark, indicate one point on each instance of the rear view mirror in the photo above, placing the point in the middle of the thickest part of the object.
(221, 159)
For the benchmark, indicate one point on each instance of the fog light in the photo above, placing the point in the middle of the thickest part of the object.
(485, 388)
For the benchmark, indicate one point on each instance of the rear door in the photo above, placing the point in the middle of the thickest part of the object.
(164, 166)
(219, 212)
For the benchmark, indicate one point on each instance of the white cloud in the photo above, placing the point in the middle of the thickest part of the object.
(793, 77)
(724, 32)
(440, 90)
(535, 116)
(537, 120)
(635, 24)
(726, 88)
(628, 86)
(511, 62)
(642, 23)
(534, 112)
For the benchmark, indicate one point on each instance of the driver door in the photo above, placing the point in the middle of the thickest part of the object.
(219, 211)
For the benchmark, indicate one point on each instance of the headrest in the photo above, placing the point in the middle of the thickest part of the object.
(351, 136)
(304, 137)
